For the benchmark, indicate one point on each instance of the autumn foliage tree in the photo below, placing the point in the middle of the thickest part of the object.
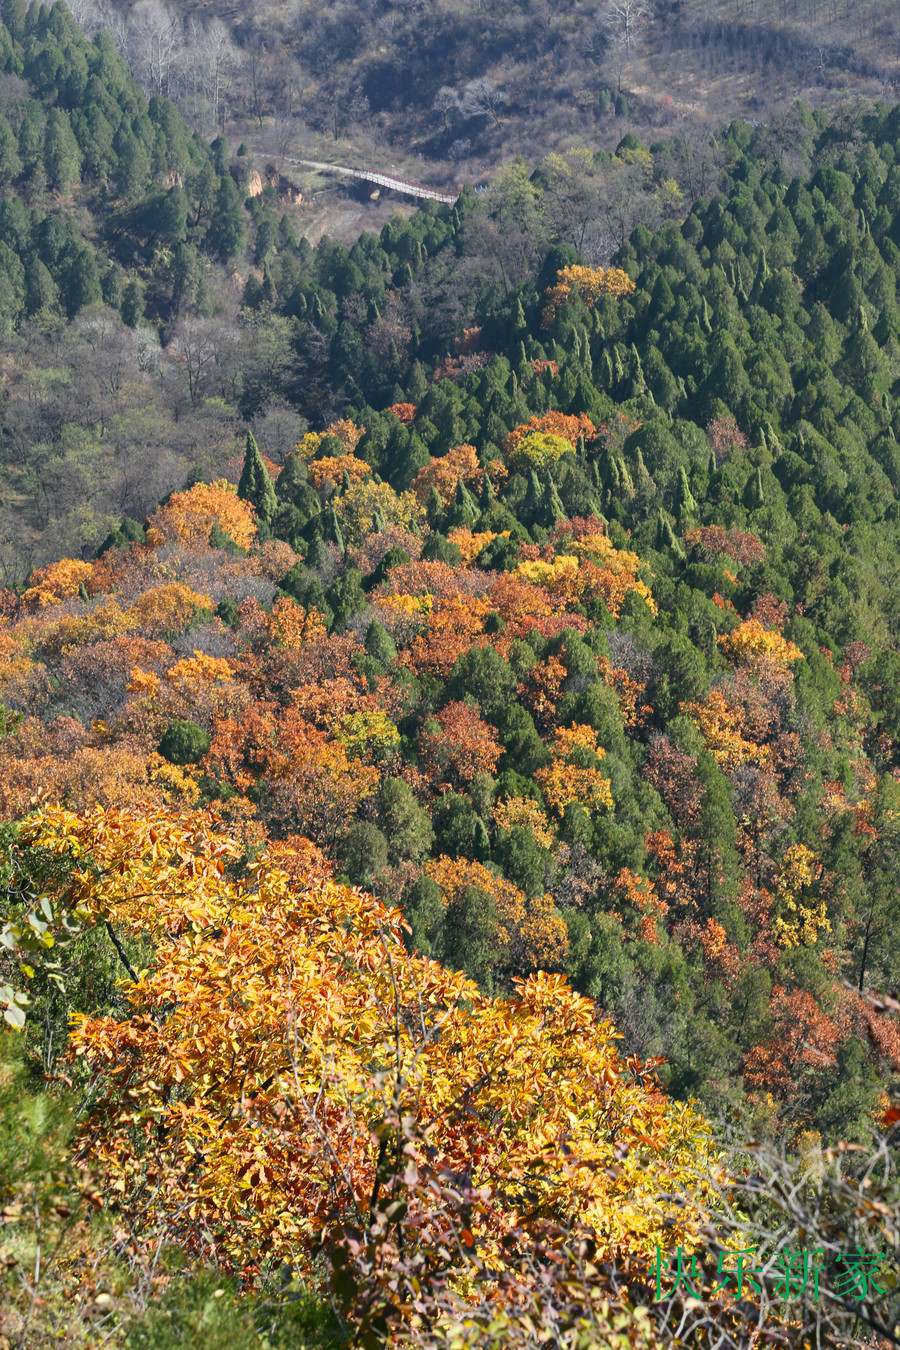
(190, 517)
(260, 1118)
(587, 282)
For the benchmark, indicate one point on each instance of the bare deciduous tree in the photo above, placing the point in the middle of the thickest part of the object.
(446, 103)
(154, 39)
(221, 58)
(483, 98)
(623, 21)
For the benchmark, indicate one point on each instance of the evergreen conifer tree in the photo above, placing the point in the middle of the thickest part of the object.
(62, 158)
(331, 530)
(380, 645)
(552, 508)
(228, 232)
(132, 163)
(685, 502)
(41, 291)
(255, 485)
(434, 508)
(84, 283)
(132, 309)
(464, 510)
(14, 16)
(638, 383)
(754, 496)
(316, 553)
(10, 160)
(666, 538)
(292, 479)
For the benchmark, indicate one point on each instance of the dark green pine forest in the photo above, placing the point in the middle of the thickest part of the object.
(556, 605)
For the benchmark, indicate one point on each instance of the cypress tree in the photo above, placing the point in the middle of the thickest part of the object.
(228, 233)
(331, 530)
(685, 502)
(638, 383)
(132, 308)
(464, 510)
(171, 218)
(533, 495)
(772, 440)
(434, 508)
(762, 276)
(14, 15)
(740, 289)
(552, 508)
(626, 482)
(41, 291)
(520, 365)
(292, 479)
(31, 140)
(643, 482)
(84, 283)
(255, 486)
(380, 645)
(62, 158)
(316, 554)
(481, 842)
(666, 538)
(10, 160)
(754, 496)
(132, 163)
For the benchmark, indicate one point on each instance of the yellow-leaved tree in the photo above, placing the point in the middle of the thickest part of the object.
(284, 1056)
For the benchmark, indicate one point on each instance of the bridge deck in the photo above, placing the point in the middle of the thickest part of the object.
(381, 179)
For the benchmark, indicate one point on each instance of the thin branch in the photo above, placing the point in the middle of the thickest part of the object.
(122, 954)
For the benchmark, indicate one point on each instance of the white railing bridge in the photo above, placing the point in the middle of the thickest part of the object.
(381, 179)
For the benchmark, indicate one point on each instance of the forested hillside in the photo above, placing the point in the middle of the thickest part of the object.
(449, 739)
(453, 88)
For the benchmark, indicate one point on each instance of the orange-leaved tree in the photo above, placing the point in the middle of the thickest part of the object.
(457, 744)
(241, 1097)
(335, 466)
(190, 517)
(565, 426)
(443, 474)
(57, 581)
